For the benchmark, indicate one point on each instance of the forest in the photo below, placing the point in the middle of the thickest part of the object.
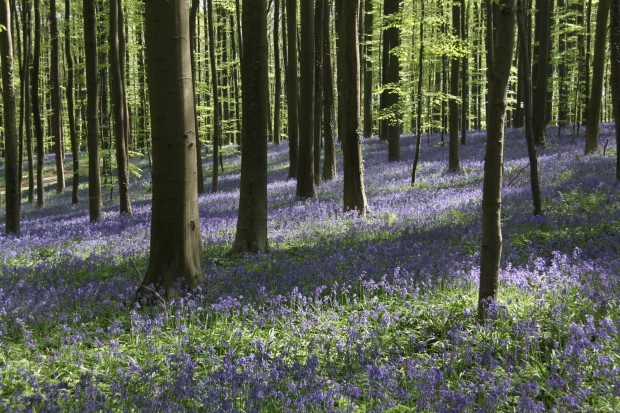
(310, 206)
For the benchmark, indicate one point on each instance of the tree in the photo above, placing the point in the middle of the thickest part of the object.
(454, 164)
(598, 73)
(615, 74)
(217, 114)
(174, 260)
(292, 91)
(26, 22)
(348, 53)
(36, 107)
(504, 18)
(251, 235)
(192, 32)
(277, 72)
(75, 150)
(56, 122)
(92, 128)
(329, 160)
(540, 69)
(117, 87)
(391, 77)
(367, 60)
(318, 88)
(305, 167)
(416, 156)
(13, 181)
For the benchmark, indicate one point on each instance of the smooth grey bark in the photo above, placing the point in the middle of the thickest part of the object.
(329, 160)
(12, 179)
(26, 19)
(175, 248)
(454, 164)
(318, 88)
(504, 18)
(36, 107)
(217, 114)
(200, 182)
(251, 234)
(277, 108)
(75, 150)
(368, 67)
(391, 77)
(292, 90)
(540, 69)
(598, 74)
(56, 117)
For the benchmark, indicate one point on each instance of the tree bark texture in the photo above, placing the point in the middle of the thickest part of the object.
(318, 88)
(75, 150)
(36, 106)
(368, 67)
(329, 160)
(292, 91)
(391, 77)
(277, 108)
(56, 121)
(174, 260)
(26, 19)
(504, 18)
(217, 114)
(200, 183)
(540, 70)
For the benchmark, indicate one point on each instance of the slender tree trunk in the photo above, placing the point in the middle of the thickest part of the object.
(416, 157)
(540, 70)
(504, 35)
(305, 167)
(56, 100)
(251, 235)
(562, 73)
(12, 179)
(143, 135)
(36, 107)
(278, 73)
(217, 116)
(348, 53)
(464, 76)
(318, 88)
(292, 91)
(75, 150)
(454, 164)
(174, 260)
(368, 67)
(614, 42)
(329, 161)
(594, 111)
(92, 133)
(26, 22)
(391, 78)
(200, 182)
(586, 104)
(524, 56)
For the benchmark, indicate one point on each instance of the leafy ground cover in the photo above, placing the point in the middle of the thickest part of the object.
(345, 313)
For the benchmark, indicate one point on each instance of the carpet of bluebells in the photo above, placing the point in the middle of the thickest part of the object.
(345, 314)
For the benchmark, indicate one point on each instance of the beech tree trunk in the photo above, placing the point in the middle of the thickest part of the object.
(217, 114)
(277, 108)
(348, 53)
(92, 131)
(318, 88)
(75, 150)
(540, 69)
(56, 118)
(12, 179)
(36, 108)
(614, 43)
(174, 260)
(305, 167)
(598, 73)
(200, 183)
(251, 235)
(26, 19)
(416, 157)
(391, 78)
(329, 161)
(454, 164)
(292, 91)
(368, 67)
(504, 18)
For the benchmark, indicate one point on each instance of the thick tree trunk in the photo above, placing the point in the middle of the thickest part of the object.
(348, 53)
(318, 88)
(251, 235)
(12, 179)
(292, 91)
(305, 167)
(200, 182)
(217, 115)
(540, 70)
(277, 108)
(75, 150)
(118, 108)
(594, 110)
(56, 120)
(174, 261)
(615, 74)
(454, 164)
(329, 161)
(368, 67)
(416, 157)
(504, 35)
(391, 78)
(36, 107)
(524, 57)
(92, 133)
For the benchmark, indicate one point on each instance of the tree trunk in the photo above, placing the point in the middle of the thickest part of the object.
(217, 116)
(26, 23)
(614, 43)
(75, 150)
(368, 66)
(524, 57)
(12, 179)
(318, 88)
(36, 107)
(453, 160)
(329, 161)
(92, 133)
(594, 110)
(504, 17)
(540, 69)
(464, 76)
(416, 157)
(174, 261)
(200, 183)
(305, 167)
(391, 78)
(292, 91)
(56, 120)
(278, 73)
(348, 53)
(251, 235)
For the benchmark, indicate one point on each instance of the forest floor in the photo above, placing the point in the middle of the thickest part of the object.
(344, 314)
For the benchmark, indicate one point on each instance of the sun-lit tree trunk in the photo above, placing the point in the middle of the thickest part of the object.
(92, 131)
(174, 259)
(540, 69)
(504, 18)
(26, 22)
(464, 75)
(292, 91)
(329, 161)
(36, 106)
(277, 108)
(305, 167)
(598, 73)
(416, 156)
(368, 67)
(56, 121)
(348, 52)
(391, 77)
(454, 164)
(614, 45)
(217, 115)
(192, 32)
(75, 150)
(12, 179)
(251, 235)
(318, 88)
